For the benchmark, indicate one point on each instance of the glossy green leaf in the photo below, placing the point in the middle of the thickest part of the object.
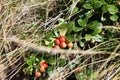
(89, 14)
(88, 37)
(114, 17)
(93, 25)
(66, 28)
(63, 31)
(51, 44)
(97, 31)
(46, 42)
(82, 22)
(70, 27)
(49, 34)
(87, 6)
(97, 38)
(98, 4)
(52, 60)
(77, 29)
(104, 8)
(75, 9)
(112, 9)
(81, 43)
(61, 62)
(61, 20)
(31, 60)
(56, 33)
(28, 70)
(70, 37)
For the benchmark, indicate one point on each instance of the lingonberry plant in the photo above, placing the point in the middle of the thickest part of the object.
(63, 43)
(83, 27)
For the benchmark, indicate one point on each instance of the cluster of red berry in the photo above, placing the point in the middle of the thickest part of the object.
(62, 42)
(43, 66)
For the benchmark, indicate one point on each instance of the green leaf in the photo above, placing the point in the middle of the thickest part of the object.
(89, 14)
(87, 6)
(51, 44)
(93, 25)
(75, 9)
(81, 43)
(70, 37)
(56, 33)
(114, 17)
(49, 34)
(77, 29)
(88, 37)
(29, 62)
(70, 27)
(112, 9)
(63, 31)
(61, 62)
(61, 20)
(104, 8)
(52, 60)
(97, 38)
(98, 4)
(28, 70)
(46, 42)
(82, 22)
(97, 31)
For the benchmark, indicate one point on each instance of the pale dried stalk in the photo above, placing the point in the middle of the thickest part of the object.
(111, 27)
(52, 51)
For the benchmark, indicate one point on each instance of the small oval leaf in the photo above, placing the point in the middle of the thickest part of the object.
(112, 9)
(87, 6)
(114, 17)
(93, 25)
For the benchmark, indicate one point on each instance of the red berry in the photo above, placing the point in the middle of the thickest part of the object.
(63, 45)
(62, 39)
(42, 69)
(45, 66)
(57, 41)
(56, 47)
(42, 62)
(37, 74)
(70, 44)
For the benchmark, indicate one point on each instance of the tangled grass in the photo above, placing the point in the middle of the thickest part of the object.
(23, 19)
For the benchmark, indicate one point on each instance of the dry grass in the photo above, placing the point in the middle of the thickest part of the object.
(20, 18)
